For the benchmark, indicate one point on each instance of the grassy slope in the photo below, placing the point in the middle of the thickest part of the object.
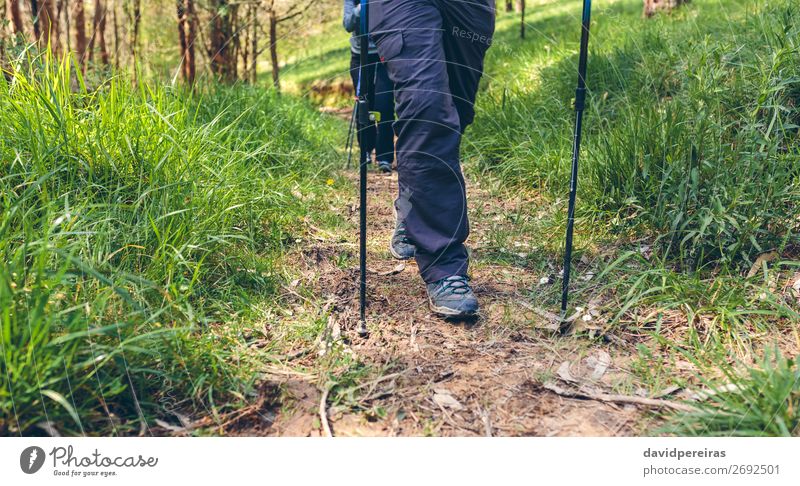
(135, 222)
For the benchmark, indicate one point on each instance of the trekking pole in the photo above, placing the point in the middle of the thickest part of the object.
(365, 118)
(580, 101)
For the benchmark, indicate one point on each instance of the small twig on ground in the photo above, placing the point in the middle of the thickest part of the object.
(487, 422)
(413, 340)
(396, 270)
(449, 419)
(605, 397)
(372, 384)
(323, 413)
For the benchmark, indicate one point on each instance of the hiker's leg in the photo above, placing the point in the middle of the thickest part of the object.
(432, 199)
(384, 103)
(468, 30)
(366, 136)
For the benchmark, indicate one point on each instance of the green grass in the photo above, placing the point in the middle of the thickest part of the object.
(757, 401)
(139, 229)
(691, 133)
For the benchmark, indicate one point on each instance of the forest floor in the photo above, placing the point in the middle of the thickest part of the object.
(507, 373)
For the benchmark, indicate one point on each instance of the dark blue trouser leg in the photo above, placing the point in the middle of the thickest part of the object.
(435, 67)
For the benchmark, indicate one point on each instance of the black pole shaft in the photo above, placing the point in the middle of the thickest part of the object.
(365, 85)
(580, 101)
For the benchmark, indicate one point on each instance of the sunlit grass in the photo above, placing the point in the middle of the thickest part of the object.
(139, 226)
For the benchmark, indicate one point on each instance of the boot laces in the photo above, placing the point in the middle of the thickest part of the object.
(454, 286)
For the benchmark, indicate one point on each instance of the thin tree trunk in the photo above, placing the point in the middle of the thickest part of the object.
(99, 33)
(135, 26)
(509, 5)
(521, 4)
(64, 10)
(254, 48)
(273, 49)
(221, 38)
(233, 58)
(245, 44)
(35, 12)
(3, 58)
(180, 11)
(79, 14)
(50, 20)
(191, 38)
(116, 34)
(16, 17)
(45, 25)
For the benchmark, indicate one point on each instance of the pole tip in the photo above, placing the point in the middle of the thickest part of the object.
(362, 328)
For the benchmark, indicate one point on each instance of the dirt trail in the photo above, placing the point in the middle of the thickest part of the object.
(427, 376)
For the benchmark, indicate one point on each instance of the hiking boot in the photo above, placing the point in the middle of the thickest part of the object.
(452, 297)
(385, 166)
(399, 246)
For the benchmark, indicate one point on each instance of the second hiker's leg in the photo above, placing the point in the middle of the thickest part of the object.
(432, 200)
(384, 104)
(365, 135)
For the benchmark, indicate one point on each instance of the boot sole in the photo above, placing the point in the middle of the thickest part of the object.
(448, 312)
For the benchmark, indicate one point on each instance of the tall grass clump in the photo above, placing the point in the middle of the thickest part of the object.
(132, 221)
(692, 135)
(763, 400)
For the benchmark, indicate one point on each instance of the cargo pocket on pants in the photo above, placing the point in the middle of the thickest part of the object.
(390, 45)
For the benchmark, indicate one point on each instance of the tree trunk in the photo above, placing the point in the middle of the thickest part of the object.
(273, 50)
(136, 22)
(45, 24)
(16, 17)
(254, 48)
(180, 10)
(100, 31)
(509, 5)
(521, 5)
(116, 35)
(101, 34)
(79, 15)
(63, 10)
(35, 12)
(221, 52)
(191, 38)
(3, 58)
(245, 44)
(233, 57)
(651, 7)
